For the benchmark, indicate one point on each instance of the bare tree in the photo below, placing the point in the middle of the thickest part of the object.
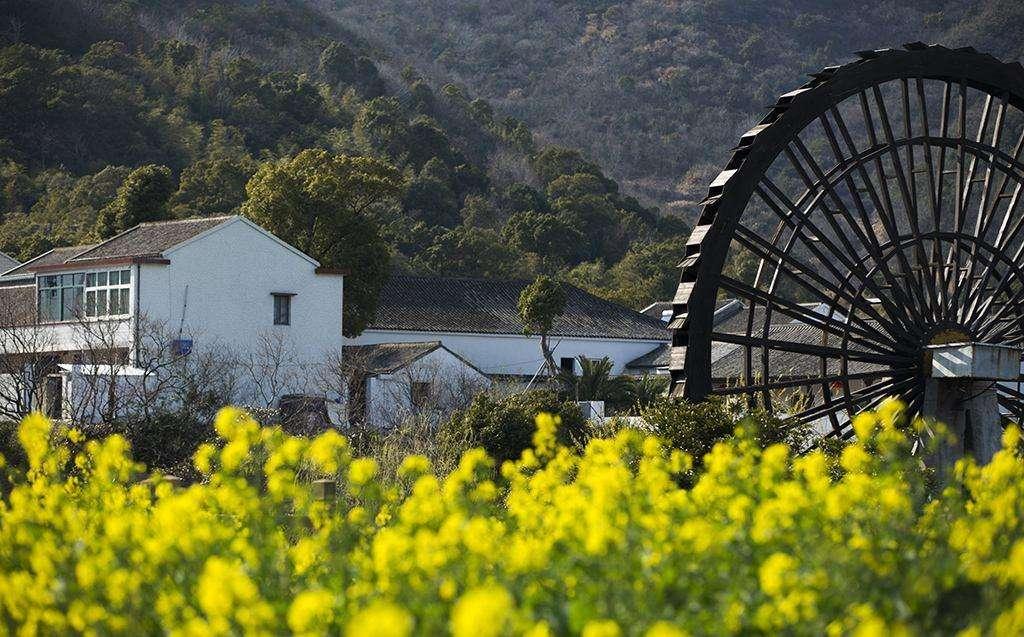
(26, 354)
(100, 372)
(270, 369)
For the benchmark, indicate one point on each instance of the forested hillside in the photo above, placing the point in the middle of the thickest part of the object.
(657, 91)
(447, 128)
(120, 112)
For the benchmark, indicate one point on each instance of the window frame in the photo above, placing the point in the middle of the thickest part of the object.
(284, 318)
(83, 285)
(57, 286)
(100, 283)
(567, 368)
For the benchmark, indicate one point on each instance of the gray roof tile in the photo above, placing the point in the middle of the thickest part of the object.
(151, 239)
(485, 306)
(53, 257)
(384, 358)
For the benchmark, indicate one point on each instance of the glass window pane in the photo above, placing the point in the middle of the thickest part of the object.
(126, 277)
(49, 281)
(69, 303)
(282, 309)
(101, 278)
(123, 293)
(101, 303)
(113, 304)
(115, 277)
(90, 303)
(79, 279)
(49, 305)
(90, 280)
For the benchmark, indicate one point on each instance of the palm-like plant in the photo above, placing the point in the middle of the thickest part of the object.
(596, 382)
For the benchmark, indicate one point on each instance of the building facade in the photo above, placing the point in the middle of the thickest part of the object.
(167, 290)
(478, 319)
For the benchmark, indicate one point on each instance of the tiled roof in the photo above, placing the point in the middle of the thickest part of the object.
(53, 257)
(783, 363)
(654, 359)
(384, 358)
(151, 239)
(485, 306)
(7, 262)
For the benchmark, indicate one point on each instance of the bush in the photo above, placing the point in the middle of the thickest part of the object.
(599, 542)
(696, 428)
(504, 426)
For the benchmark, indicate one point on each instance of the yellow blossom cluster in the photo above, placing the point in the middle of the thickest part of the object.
(610, 541)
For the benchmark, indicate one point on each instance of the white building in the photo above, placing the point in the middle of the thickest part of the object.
(205, 283)
(392, 382)
(478, 319)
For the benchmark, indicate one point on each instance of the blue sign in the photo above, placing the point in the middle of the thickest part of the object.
(181, 346)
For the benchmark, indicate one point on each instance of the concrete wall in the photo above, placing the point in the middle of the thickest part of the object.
(453, 384)
(517, 354)
(219, 287)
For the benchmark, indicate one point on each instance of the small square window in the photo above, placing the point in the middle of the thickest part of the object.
(568, 365)
(101, 278)
(115, 277)
(126, 277)
(282, 309)
(419, 394)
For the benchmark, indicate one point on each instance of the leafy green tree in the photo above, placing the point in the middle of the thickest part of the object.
(519, 197)
(142, 197)
(381, 127)
(540, 305)
(432, 202)
(555, 161)
(553, 237)
(75, 203)
(576, 186)
(504, 426)
(212, 187)
(472, 252)
(325, 205)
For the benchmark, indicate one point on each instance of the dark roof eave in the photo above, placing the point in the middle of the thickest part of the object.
(89, 263)
(590, 335)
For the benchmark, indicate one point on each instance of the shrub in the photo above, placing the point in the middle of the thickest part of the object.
(598, 542)
(504, 426)
(696, 428)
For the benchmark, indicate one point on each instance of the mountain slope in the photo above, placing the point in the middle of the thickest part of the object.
(656, 91)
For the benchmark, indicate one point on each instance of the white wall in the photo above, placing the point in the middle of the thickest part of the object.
(230, 274)
(517, 354)
(453, 385)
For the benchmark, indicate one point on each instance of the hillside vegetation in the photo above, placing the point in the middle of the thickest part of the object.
(657, 91)
(565, 138)
(202, 96)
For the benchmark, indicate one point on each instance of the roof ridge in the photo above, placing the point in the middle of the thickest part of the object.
(184, 220)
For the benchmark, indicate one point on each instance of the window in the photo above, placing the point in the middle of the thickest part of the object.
(282, 309)
(568, 365)
(419, 394)
(108, 293)
(60, 297)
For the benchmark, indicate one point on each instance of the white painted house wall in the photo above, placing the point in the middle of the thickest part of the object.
(518, 354)
(219, 287)
(389, 398)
